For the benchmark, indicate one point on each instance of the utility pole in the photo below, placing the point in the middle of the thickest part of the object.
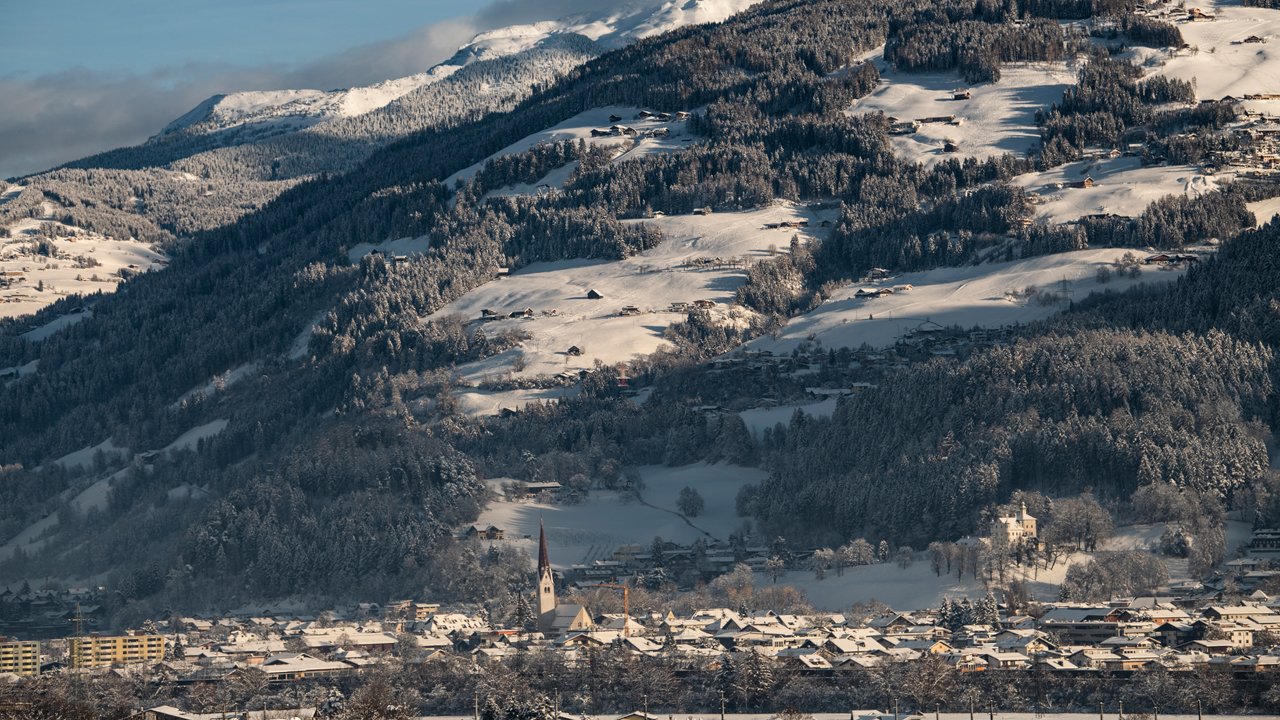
(475, 695)
(971, 708)
(1120, 715)
(721, 705)
(1199, 709)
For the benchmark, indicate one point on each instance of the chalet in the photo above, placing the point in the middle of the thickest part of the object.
(525, 313)
(573, 351)
(644, 115)
(702, 211)
(679, 307)
(628, 310)
(944, 119)
(542, 488)
(594, 295)
(487, 314)
(682, 115)
(704, 304)
(615, 118)
(950, 146)
(490, 532)
(872, 292)
(1195, 14)
(906, 127)
(1086, 182)
(961, 95)
(878, 274)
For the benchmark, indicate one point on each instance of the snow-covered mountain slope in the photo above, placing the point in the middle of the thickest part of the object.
(295, 109)
(1232, 54)
(989, 295)
(275, 111)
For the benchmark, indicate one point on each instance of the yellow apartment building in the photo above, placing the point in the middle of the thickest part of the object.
(20, 658)
(104, 651)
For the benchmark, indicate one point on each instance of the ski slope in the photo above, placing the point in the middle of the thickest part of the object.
(969, 296)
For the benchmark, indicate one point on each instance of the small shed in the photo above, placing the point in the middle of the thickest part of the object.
(574, 351)
(594, 295)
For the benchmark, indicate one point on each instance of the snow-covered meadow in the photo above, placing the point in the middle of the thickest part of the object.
(564, 317)
(80, 263)
(593, 529)
(989, 295)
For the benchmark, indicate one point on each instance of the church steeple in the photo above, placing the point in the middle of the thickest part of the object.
(544, 558)
(546, 580)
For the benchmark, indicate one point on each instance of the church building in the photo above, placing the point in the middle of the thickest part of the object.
(555, 618)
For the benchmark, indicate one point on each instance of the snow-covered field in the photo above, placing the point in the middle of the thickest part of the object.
(1265, 210)
(563, 316)
(969, 296)
(491, 402)
(579, 127)
(1123, 187)
(1219, 61)
(998, 118)
(758, 419)
(917, 587)
(29, 281)
(595, 528)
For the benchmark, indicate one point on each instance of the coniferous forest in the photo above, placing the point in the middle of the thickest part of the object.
(330, 480)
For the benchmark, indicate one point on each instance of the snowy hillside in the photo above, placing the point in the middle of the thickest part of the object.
(987, 295)
(283, 110)
(1230, 55)
(43, 260)
(571, 331)
(995, 118)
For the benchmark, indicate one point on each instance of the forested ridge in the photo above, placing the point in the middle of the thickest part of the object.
(337, 444)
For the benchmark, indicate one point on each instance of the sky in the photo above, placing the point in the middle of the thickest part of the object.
(82, 76)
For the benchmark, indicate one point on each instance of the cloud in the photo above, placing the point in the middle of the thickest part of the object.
(55, 118)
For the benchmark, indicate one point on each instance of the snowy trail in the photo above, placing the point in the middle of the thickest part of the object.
(686, 520)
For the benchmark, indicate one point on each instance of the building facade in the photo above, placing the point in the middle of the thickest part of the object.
(20, 658)
(1018, 528)
(105, 651)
